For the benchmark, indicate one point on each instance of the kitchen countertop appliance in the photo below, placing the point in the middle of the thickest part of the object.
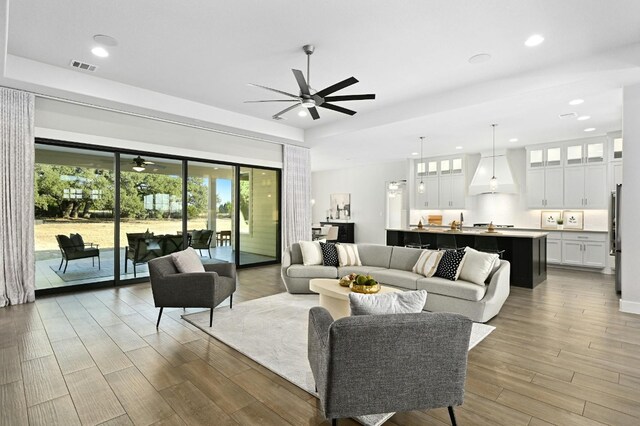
(615, 222)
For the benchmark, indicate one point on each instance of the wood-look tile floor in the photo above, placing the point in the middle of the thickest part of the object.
(561, 354)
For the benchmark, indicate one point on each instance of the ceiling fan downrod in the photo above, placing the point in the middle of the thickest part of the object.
(308, 49)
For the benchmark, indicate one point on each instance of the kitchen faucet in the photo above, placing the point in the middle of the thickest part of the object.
(461, 220)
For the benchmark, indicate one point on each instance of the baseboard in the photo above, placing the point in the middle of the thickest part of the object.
(629, 307)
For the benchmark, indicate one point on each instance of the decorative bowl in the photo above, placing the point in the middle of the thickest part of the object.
(364, 289)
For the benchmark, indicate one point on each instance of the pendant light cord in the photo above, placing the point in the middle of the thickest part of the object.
(494, 150)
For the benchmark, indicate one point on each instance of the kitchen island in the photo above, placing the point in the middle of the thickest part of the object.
(525, 250)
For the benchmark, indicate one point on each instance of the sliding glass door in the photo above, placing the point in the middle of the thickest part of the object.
(259, 215)
(150, 211)
(210, 210)
(74, 216)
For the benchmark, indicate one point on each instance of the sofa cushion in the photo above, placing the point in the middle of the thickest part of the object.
(450, 265)
(312, 271)
(404, 258)
(329, 254)
(360, 270)
(348, 255)
(404, 302)
(427, 263)
(311, 253)
(477, 266)
(375, 255)
(396, 278)
(459, 289)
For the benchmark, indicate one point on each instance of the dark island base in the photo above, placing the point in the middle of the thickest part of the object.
(528, 256)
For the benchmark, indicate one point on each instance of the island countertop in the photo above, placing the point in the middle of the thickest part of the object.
(481, 232)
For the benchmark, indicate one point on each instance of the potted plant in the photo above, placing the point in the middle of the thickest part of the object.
(560, 223)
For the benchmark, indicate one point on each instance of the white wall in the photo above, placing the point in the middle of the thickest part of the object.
(630, 235)
(366, 184)
(77, 123)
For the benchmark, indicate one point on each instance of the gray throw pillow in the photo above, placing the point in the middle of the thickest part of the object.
(403, 302)
(187, 261)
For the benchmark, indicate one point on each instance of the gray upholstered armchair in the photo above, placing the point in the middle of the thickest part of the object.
(172, 289)
(372, 364)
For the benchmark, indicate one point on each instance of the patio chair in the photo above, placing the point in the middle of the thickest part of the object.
(224, 238)
(142, 248)
(74, 247)
(171, 244)
(201, 240)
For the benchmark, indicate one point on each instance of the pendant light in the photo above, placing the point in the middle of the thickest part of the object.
(421, 185)
(493, 182)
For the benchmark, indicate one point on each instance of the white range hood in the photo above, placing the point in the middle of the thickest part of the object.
(480, 182)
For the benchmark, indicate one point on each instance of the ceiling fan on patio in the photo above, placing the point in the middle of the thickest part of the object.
(139, 164)
(309, 98)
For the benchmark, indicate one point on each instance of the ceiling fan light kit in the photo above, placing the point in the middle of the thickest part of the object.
(310, 98)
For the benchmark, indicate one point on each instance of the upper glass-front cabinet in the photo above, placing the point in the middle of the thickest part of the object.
(456, 165)
(429, 168)
(545, 157)
(617, 148)
(585, 153)
(432, 168)
(445, 167)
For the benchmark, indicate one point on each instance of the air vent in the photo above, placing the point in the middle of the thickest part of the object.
(569, 115)
(83, 65)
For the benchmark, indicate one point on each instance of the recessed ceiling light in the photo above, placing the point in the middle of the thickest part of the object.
(105, 40)
(584, 117)
(589, 129)
(100, 52)
(479, 58)
(534, 40)
(414, 153)
(458, 147)
(576, 101)
(513, 140)
(302, 113)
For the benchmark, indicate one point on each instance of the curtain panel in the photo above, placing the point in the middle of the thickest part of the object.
(17, 154)
(296, 193)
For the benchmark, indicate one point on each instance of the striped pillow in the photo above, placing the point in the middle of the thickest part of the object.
(348, 255)
(427, 263)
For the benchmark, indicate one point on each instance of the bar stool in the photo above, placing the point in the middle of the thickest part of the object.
(414, 240)
(488, 244)
(446, 242)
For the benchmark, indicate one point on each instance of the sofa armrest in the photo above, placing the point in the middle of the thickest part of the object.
(500, 282)
(222, 269)
(317, 345)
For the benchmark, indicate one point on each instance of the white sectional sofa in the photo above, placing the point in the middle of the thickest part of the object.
(393, 266)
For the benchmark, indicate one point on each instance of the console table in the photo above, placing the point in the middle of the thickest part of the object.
(346, 232)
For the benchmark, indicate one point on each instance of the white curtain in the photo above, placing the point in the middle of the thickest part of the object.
(17, 151)
(296, 190)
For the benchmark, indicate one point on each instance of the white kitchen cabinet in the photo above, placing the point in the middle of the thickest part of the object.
(545, 187)
(584, 249)
(452, 192)
(585, 187)
(429, 198)
(572, 253)
(554, 250)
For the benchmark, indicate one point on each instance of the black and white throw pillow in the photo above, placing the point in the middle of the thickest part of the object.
(450, 264)
(329, 254)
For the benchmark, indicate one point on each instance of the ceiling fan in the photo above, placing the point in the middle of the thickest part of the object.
(139, 164)
(310, 98)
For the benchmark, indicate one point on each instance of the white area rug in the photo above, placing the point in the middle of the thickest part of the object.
(273, 332)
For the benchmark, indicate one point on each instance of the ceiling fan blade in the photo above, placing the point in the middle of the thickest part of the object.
(338, 86)
(272, 100)
(275, 90)
(337, 108)
(314, 113)
(285, 110)
(304, 87)
(349, 98)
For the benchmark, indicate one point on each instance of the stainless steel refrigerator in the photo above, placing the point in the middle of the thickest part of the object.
(615, 226)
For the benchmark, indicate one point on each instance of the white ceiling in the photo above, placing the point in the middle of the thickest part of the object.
(412, 54)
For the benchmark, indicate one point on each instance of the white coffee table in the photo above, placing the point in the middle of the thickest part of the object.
(335, 298)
